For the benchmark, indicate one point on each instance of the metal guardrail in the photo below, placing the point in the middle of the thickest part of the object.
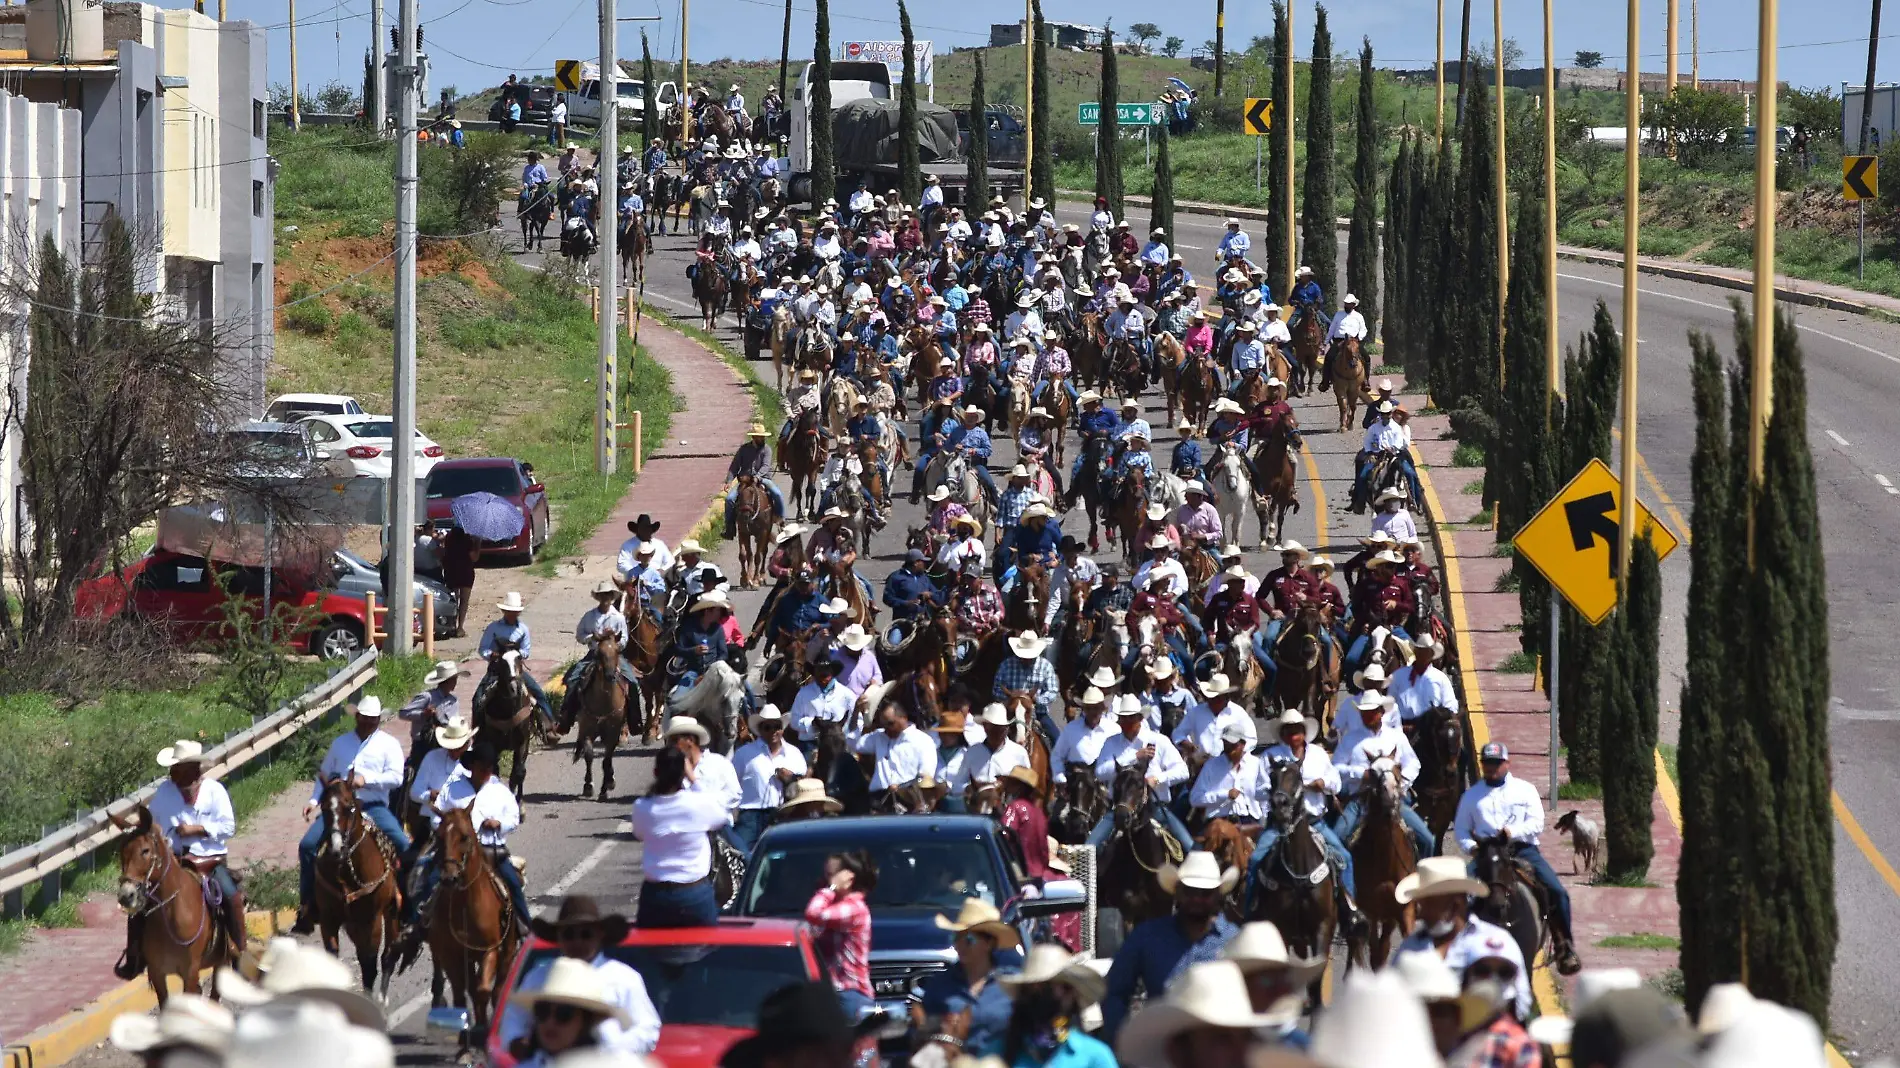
(76, 840)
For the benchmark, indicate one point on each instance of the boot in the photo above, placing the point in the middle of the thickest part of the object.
(132, 962)
(1351, 920)
(306, 921)
(1568, 963)
(234, 922)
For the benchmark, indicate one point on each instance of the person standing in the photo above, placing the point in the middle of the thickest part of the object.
(841, 919)
(582, 933)
(557, 121)
(460, 553)
(972, 983)
(673, 822)
(766, 766)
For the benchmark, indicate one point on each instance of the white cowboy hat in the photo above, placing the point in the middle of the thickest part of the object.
(1019, 471)
(455, 733)
(834, 512)
(1349, 299)
(1386, 406)
(938, 495)
(579, 984)
(810, 792)
(305, 1034)
(1127, 704)
(1039, 412)
(1157, 512)
(855, 638)
(1388, 557)
(1238, 571)
(1247, 327)
(1770, 1036)
(1271, 308)
(1252, 296)
(1375, 1019)
(1025, 299)
(1217, 684)
(689, 545)
(785, 533)
(371, 707)
(1390, 494)
(1228, 404)
(767, 714)
(511, 602)
(1102, 677)
(1291, 546)
(1321, 562)
(1273, 382)
(183, 751)
(293, 970)
(1094, 696)
(1371, 675)
(1163, 669)
(1427, 975)
(1028, 645)
(1088, 395)
(444, 670)
(981, 917)
(994, 715)
(1210, 994)
(1049, 962)
(680, 725)
(186, 1020)
(1303, 272)
(1369, 700)
(834, 607)
(1259, 947)
(1438, 877)
(714, 598)
(1200, 871)
(1159, 541)
(1038, 510)
(971, 409)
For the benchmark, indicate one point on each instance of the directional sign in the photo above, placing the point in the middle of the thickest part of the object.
(1860, 177)
(1257, 116)
(567, 75)
(1572, 541)
(1089, 113)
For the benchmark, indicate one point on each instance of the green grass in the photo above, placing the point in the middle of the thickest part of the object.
(1640, 941)
(1668, 752)
(1389, 369)
(1518, 663)
(1504, 549)
(1506, 583)
(1473, 488)
(1669, 983)
(1629, 881)
(1481, 519)
(1579, 791)
(1467, 454)
(329, 175)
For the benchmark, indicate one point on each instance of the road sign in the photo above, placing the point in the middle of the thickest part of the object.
(567, 75)
(1089, 113)
(1256, 117)
(1572, 541)
(1860, 177)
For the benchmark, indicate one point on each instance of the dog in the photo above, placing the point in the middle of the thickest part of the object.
(1585, 839)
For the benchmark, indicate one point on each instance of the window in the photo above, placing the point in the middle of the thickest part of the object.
(257, 118)
(257, 198)
(323, 433)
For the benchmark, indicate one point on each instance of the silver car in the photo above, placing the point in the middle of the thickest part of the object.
(356, 576)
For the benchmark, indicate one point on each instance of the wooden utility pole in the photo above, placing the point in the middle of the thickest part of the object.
(1669, 64)
(1438, 66)
(686, 84)
(296, 112)
(1867, 87)
(1632, 214)
(1761, 369)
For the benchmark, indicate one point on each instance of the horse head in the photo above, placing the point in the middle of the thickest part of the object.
(1443, 739)
(1285, 803)
(144, 859)
(1494, 866)
(1131, 796)
(342, 815)
(457, 846)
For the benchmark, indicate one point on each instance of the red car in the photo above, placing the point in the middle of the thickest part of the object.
(706, 982)
(179, 591)
(505, 477)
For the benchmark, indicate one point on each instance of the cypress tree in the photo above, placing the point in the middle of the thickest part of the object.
(649, 104)
(1519, 438)
(910, 173)
(1628, 739)
(1161, 214)
(1475, 354)
(784, 49)
(979, 161)
(1042, 168)
(1108, 141)
(1397, 253)
(1275, 236)
(1440, 279)
(1362, 240)
(1421, 252)
(824, 165)
(1319, 214)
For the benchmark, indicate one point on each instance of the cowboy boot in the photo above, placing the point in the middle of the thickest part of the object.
(1568, 963)
(132, 961)
(306, 920)
(1351, 920)
(234, 920)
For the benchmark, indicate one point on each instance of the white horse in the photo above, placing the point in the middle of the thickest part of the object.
(950, 469)
(714, 701)
(1168, 490)
(1236, 493)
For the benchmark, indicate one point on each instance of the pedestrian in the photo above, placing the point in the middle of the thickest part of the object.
(841, 920)
(971, 984)
(672, 822)
(1049, 997)
(570, 1010)
(557, 121)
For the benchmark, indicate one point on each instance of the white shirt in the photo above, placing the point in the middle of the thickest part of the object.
(826, 248)
(1275, 330)
(933, 194)
(959, 231)
(757, 766)
(1388, 744)
(983, 764)
(747, 249)
(494, 801)
(623, 986)
(1348, 324)
(714, 775)
(630, 556)
(1119, 751)
(1383, 434)
(673, 828)
(212, 811)
(1134, 426)
(1202, 726)
(954, 554)
(1485, 810)
(898, 760)
(1078, 744)
(1101, 220)
(1220, 775)
(1415, 697)
(1156, 252)
(377, 759)
(559, 112)
(862, 200)
(1477, 941)
(1399, 524)
(812, 704)
(596, 620)
(436, 772)
(1316, 766)
(1171, 568)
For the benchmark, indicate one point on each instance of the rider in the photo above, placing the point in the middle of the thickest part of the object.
(1422, 687)
(1156, 250)
(802, 398)
(372, 759)
(1081, 739)
(798, 610)
(1289, 586)
(1054, 363)
(195, 816)
(431, 709)
(1392, 517)
(1234, 244)
(1128, 325)
(975, 603)
(751, 461)
(1135, 744)
(603, 618)
(1185, 461)
(700, 642)
(1247, 358)
(644, 580)
(1132, 424)
(1347, 324)
(1196, 519)
(1306, 298)
(510, 628)
(973, 442)
(495, 813)
(908, 591)
(1205, 722)
(1380, 741)
(1383, 438)
(1503, 804)
(1321, 779)
(993, 757)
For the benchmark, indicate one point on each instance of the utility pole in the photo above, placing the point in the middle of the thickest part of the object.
(1695, 44)
(1220, 47)
(1504, 204)
(1867, 87)
(295, 112)
(1438, 66)
(1553, 354)
(377, 106)
(402, 458)
(686, 97)
(1761, 370)
(1670, 65)
(607, 169)
(1632, 215)
(1292, 223)
(1029, 94)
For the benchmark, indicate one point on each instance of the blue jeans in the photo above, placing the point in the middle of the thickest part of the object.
(1553, 887)
(377, 813)
(573, 673)
(677, 905)
(1357, 654)
(1264, 642)
(1405, 465)
(1355, 810)
(1270, 836)
(746, 828)
(1043, 388)
(431, 875)
(534, 690)
(778, 500)
(1105, 827)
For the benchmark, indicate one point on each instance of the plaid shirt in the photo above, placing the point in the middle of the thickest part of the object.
(1019, 674)
(977, 311)
(1504, 1044)
(979, 608)
(1010, 505)
(843, 926)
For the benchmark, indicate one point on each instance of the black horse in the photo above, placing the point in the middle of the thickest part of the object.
(1089, 485)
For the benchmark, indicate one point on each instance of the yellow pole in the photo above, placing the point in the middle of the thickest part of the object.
(1438, 68)
(1292, 229)
(1029, 98)
(686, 96)
(1504, 231)
(1669, 66)
(428, 625)
(1553, 356)
(1695, 45)
(296, 113)
(1761, 381)
(1632, 173)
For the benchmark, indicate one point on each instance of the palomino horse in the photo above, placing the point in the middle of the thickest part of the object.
(473, 931)
(1076, 804)
(1514, 902)
(1295, 886)
(752, 519)
(1198, 387)
(1234, 491)
(180, 934)
(784, 326)
(1060, 408)
(1277, 491)
(1381, 857)
(804, 457)
(1439, 739)
(506, 713)
(1306, 353)
(1233, 847)
(357, 885)
(1305, 677)
(1347, 380)
(841, 395)
(1136, 850)
(603, 712)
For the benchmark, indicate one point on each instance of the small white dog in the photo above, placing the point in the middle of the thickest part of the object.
(1585, 838)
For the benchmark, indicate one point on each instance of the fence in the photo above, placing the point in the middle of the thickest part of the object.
(77, 841)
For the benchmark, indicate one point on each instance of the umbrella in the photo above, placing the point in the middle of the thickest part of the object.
(487, 516)
(1181, 85)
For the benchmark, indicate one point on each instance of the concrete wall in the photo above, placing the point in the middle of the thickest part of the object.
(242, 280)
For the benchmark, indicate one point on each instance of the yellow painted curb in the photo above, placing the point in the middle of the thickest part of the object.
(1454, 604)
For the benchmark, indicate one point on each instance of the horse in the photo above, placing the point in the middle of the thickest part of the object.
(754, 522)
(1233, 847)
(713, 701)
(1136, 851)
(1251, 390)
(711, 289)
(1076, 804)
(1019, 405)
(1295, 887)
(1021, 705)
(1124, 368)
(812, 349)
(1277, 490)
(841, 396)
(1130, 512)
(843, 583)
(357, 885)
(534, 210)
(647, 639)
(603, 712)
(980, 392)
(633, 245)
(803, 455)
(1198, 387)
(952, 469)
(1307, 342)
(505, 711)
(1024, 605)
(180, 932)
(1060, 409)
(1381, 857)
(1515, 902)
(1304, 677)
(784, 327)
(1086, 347)
(1234, 491)
(473, 932)
(1346, 371)
(1168, 356)
(1439, 739)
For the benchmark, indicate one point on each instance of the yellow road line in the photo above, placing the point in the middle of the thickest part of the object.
(1656, 487)
(1865, 844)
(1319, 498)
(1666, 786)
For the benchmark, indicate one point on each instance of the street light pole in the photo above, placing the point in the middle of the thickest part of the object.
(607, 170)
(402, 465)
(1632, 173)
(1292, 228)
(1761, 368)
(1504, 231)
(1553, 356)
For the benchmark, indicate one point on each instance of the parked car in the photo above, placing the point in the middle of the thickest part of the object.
(180, 593)
(281, 451)
(294, 406)
(537, 103)
(503, 476)
(357, 577)
(583, 108)
(706, 982)
(927, 865)
(365, 440)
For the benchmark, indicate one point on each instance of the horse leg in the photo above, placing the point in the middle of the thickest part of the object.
(388, 924)
(436, 979)
(518, 775)
(607, 769)
(587, 761)
(161, 989)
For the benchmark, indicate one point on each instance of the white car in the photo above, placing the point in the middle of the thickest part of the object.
(294, 406)
(364, 440)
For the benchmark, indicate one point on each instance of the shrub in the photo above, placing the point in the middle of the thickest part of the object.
(306, 312)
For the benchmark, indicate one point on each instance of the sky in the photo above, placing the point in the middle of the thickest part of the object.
(477, 43)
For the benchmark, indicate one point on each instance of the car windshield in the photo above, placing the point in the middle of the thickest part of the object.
(707, 986)
(931, 874)
(267, 446)
(461, 481)
(291, 411)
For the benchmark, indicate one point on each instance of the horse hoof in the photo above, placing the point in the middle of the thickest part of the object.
(587, 791)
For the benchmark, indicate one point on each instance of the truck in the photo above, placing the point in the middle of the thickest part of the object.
(583, 107)
(864, 123)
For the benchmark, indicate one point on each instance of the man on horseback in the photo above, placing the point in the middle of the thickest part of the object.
(1306, 299)
(1422, 687)
(1289, 587)
(1025, 668)
(196, 818)
(372, 760)
(1385, 438)
(495, 813)
(1129, 327)
(1135, 744)
(1158, 950)
(993, 757)
(1504, 804)
(750, 462)
(700, 641)
(602, 619)
(431, 709)
(1393, 518)
(1441, 890)
(804, 398)
(1186, 461)
(1204, 723)
(1247, 359)
(1082, 737)
(509, 630)
(1320, 777)
(1380, 742)
(1348, 324)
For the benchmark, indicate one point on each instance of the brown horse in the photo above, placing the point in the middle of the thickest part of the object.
(1306, 352)
(1076, 804)
(710, 289)
(603, 712)
(177, 931)
(506, 713)
(804, 457)
(1136, 850)
(1380, 858)
(1290, 889)
(1022, 709)
(634, 244)
(1131, 511)
(1306, 678)
(1199, 387)
(646, 651)
(1233, 847)
(1439, 738)
(844, 583)
(1276, 489)
(1168, 355)
(1277, 364)
(1023, 608)
(752, 519)
(357, 885)
(1342, 364)
(473, 931)
(1086, 345)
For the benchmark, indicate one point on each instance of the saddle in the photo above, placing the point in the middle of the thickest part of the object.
(1275, 861)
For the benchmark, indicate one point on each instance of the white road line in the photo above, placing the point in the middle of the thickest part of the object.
(1196, 248)
(1720, 307)
(1886, 485)
(405, 1010)
(1838, 440)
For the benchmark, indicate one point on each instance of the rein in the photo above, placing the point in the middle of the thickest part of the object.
(347, 861)
(149, 889)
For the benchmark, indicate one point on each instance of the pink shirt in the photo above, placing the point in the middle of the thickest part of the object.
(1200, 338)
(843, 926)
(1204, 521)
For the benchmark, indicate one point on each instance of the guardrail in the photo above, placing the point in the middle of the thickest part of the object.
(94, 830)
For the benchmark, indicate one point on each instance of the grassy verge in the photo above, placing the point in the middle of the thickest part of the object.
(1518, 663)
(1640, 941)
(1579, 791)
(1668, 753)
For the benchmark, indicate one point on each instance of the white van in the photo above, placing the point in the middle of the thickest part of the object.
(583, 108)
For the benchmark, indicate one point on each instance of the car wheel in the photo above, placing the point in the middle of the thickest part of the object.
(337, 639)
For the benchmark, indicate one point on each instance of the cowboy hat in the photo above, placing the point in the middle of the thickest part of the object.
(714, 598)
(186, 1020)
(834, 512)
(1427, 975)
(1258, 947)
(1049, 962)
(975, 524)
(767, 715)
(1293, 717)
(683, 725)
(1368, 700)
(688, 546)
(1370, 676)
(1195, 486)
(855, 638)
(1291, 546)
(1375, 1019)
(1127, 705)
(443, 671)
(1721, 1006)
(1200, 871)
(1228, 404)
(1217, 685)
(1246, 327)
(1088, 396)
(454, 734)
(1238, 571)
(1303, 272)
(938, 495)
(1159, 541)
(1386, 406)
(576, 983)
(994, 715)
(1349, 299)
(1038, 510)
(1390, 493)
(981, 917)
(604, 588)
(305, 1034)
(1769, 1035)
(1093, 695)
(1209, 994)
(1438, 877)
(1102, 677)
(1163, 669)
(294, 970)
(789, 531)
(370, 707)
(581, 910)
(1388, 557)
(834, 607)
(1321, 562)
(510, 602)
(1024, 774)
(810, 792)
(183, 751)
(1157, 512)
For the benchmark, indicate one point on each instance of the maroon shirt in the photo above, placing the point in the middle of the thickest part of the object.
(1290, 587)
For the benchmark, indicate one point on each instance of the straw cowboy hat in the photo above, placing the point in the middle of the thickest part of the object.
(443, 671)
(1049, 962)
(454, 734)
(1438, 877)
(1375, 1019)
(1159, 541)
(1258, 948)
(183, 751)
(810, 792)
(1024, 774)
(981, 917)
(1028, 645)
(975, 524)
(711, 599)
(186, 1020)
(305, 1034)
(1372, 675)
(575, 983)
(1103, 677)
(604, 588)
(581, 910)
(1127, 705)
(294, 970)
(786, 533)
(1200, 871)
(689, 546)
(1390, 494)
(1210, 994)
(511, 602)
(1291, 546)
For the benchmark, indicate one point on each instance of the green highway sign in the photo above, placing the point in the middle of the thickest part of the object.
(1089, 113)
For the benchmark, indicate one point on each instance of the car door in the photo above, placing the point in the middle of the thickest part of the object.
(325, 439)
(178, 593)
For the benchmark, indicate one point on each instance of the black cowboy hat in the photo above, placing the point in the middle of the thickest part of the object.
(827, 666)
(483, 751)
(581, 910)
(802, 1014)
(643, 521)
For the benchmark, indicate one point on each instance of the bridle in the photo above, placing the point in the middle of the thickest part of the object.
(154, 882)
(346, 848)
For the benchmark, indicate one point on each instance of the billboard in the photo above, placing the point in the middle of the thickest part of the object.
(891, 53)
